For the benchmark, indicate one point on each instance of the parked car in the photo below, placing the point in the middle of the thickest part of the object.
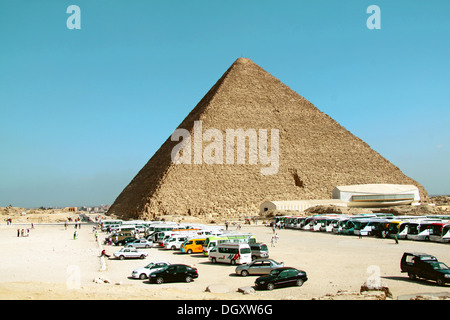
(174, 272)
(281, 277)
(124, 241)
(259, 266)
(259, 250)
(144, 272)
(140, 243)
(130, 253)
(425, 266)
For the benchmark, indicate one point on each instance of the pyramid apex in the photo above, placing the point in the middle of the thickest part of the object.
(243, 60)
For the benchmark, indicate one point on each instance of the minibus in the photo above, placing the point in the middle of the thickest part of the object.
(228, 252)
(193, 245)
(213, 241)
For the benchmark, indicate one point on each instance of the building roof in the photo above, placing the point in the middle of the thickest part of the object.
(378, 188)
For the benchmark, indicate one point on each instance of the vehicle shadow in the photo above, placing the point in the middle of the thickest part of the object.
(428, 283)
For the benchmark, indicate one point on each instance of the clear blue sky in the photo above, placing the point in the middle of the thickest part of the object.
(83, 110)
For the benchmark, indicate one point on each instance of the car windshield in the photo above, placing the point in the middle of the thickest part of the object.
(245, 250)
(264, 248)
(150, 265)
(439, 266)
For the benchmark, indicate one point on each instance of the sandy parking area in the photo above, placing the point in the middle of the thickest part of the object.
(50, 264)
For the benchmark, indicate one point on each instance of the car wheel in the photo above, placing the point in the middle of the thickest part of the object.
(299, 282)
(121, 257)
(159, 280)
(189, 251)
(412, 276)
(244, 273)
(439, 282)
(147, 246)
(233, 262)
(270, 286)
(142, 256)
(173, 248)
(213, 260)
(142, 276)
(188, 279)
(253, 258)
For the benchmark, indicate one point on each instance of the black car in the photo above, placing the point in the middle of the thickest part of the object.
(281, 277)
(124, 241)
(426, 266)
(174, 272)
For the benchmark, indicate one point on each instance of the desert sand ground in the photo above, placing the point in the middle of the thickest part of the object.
(51, 264)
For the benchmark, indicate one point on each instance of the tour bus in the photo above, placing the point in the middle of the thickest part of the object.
(213, 241)
(280, 221)
(446, 233)
(372, 227)
(292, 221)
(106, 223)
(414, 230)
(193, 245)
(436, 232)
(332, 225)
(127, 227)
(393, 227)
(228, 252)
(298, 222)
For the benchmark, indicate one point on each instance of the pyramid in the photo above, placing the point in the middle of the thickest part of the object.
(315, 154)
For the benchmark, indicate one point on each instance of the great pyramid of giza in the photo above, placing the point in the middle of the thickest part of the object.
(315, 154)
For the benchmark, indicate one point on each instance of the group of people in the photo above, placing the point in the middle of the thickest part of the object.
(274, 240)
(23, 232)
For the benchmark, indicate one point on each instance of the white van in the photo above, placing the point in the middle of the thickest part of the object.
(234, 253)
(175, 241)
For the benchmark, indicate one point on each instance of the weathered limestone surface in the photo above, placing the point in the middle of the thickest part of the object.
(315, 154)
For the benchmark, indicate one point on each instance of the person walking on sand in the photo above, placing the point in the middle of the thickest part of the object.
(75, 235)
(276, 237)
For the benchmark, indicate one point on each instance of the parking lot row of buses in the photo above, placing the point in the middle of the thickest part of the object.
(212, 241)
(422, 228)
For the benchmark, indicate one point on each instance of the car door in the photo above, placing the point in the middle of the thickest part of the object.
(170, 273)
(266, 267)
(199, 246)
(282, 278)
(180, 273)
(428, 272)
(256, 267)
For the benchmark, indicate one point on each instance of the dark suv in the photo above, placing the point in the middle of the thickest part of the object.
(174, 272)
(426, 266)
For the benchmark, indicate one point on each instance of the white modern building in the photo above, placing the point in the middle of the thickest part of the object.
(377, 195)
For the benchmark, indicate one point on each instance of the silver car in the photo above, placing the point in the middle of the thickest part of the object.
(130, 253)
(140, 243)
(259, 266)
